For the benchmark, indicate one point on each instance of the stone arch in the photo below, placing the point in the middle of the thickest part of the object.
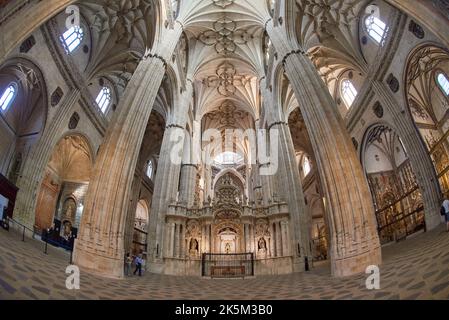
(422, 97)
(21, 125)
(234, 173)
(66, 176)
(396, 195)
(141, 221)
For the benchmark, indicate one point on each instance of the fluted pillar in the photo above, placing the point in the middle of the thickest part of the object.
(278, 233)
(34, 166)
(182, 240)
(171, 240)
(187, 184)
(272, 241)
(100, 245)
(131, 216)
(177, 239)
(208, 238)
(19, 19)
(354, 239)
(283, 226)
(417, 152)
(252, 245)
(287, 177)
(168, 174)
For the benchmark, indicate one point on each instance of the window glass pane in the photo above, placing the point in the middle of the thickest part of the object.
(348, 92)
(7, 97)
(443, 81)
(72, 38)
(150, 169)
(376, 28)
(306, 166)
(104, 99)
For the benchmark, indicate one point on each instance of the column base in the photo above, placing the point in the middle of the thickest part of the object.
(353, 265)
(97, 264)
(433, 220)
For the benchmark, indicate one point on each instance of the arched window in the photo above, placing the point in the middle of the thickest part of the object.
(306, 167)
(104, 99)
(348, 92)
(72, 38)
(376, 28)
(150, 169)
(8, 96)
(443, 82)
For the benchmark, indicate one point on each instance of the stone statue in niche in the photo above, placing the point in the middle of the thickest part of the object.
(66, 230)
(69, 210)
(193, 247)
(262, 245)
(228, 248)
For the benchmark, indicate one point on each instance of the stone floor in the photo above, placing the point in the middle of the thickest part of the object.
(414, 269)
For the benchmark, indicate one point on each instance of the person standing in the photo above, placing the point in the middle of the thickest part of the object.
(138, 265)
(446, 213)
(128, 262)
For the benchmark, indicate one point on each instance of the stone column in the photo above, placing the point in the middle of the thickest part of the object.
(129, 229)
(208, 240)
(283, 226)
(278, 232)
(168, 172)
(169, 240)
(34, 166)
(99, 248)
(272, 241)
(252, 239)
(247, 244)
(287, 176)
(288, 251)
(187, 184)
(22, 19)
(183, 251)
(354, 239)
(417, 152)
(177, 240)
(203, 238)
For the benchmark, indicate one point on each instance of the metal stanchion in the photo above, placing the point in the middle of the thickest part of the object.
(23, 234)
(46, 247)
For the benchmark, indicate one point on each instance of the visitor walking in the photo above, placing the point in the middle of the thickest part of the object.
(138, 265)
(445, 208)
(128, 262)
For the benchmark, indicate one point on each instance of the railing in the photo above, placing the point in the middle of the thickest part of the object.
(416, 223)
(22, 229)
(228, 265)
